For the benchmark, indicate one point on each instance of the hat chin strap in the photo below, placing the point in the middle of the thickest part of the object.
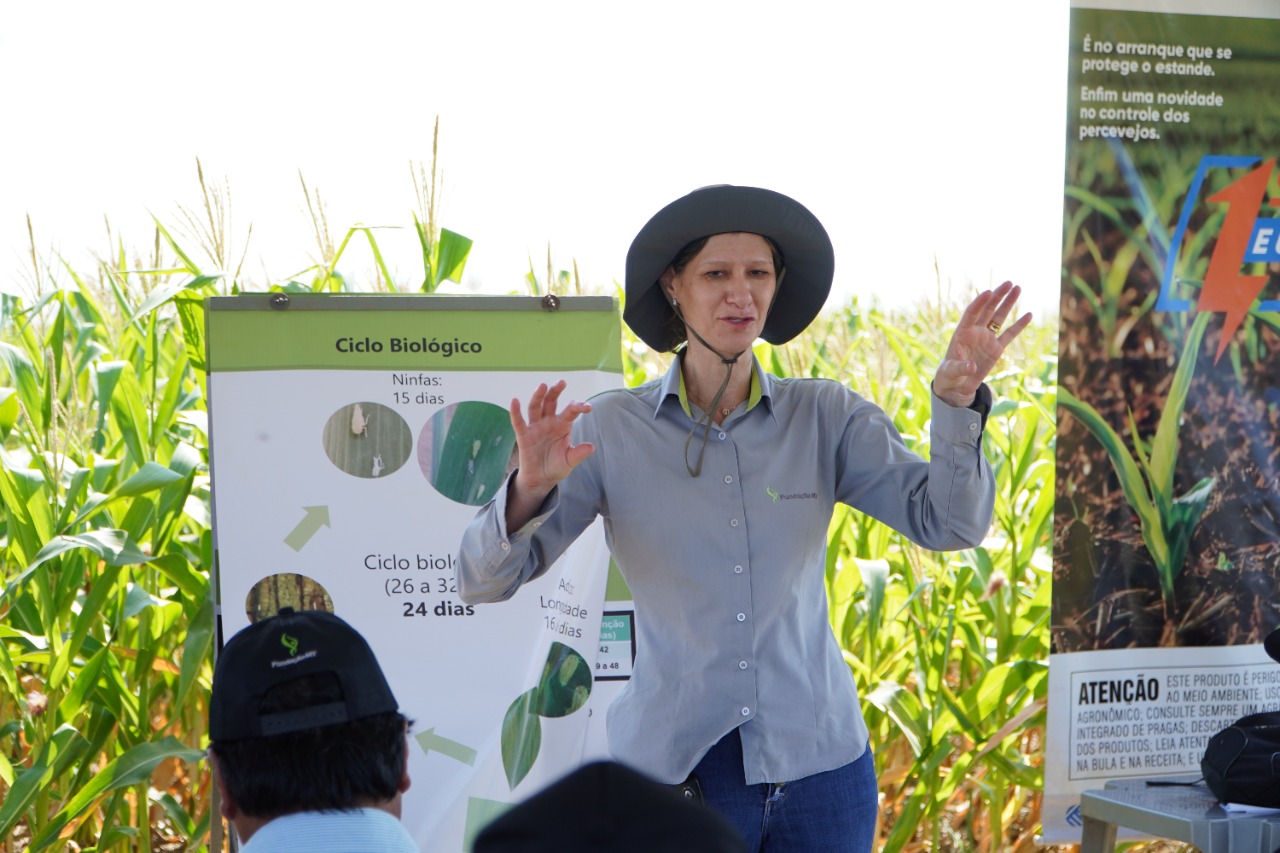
(705, 421)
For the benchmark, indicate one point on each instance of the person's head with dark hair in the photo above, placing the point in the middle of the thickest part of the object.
(302, 723)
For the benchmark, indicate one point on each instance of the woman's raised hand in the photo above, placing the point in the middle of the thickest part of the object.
(977, 344)
(546, 456)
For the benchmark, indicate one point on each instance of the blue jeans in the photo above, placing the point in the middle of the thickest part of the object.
(831, 812)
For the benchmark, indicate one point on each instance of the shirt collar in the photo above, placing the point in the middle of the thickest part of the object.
(673, 386)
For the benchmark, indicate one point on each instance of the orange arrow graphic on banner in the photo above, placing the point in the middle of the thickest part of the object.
(1225, 288)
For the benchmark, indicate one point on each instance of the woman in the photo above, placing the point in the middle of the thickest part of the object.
(716, 484)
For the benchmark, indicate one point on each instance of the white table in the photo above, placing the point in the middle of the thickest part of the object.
(1181, 813)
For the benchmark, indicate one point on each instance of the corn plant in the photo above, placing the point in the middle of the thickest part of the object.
(106, 617)
(1147, 472)
(444, 252)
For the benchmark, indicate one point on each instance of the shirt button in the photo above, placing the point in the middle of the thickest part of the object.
(746, 712)
(722, 436)
(742, 617)
(737, 570)
(506, 546)
(728, 478)
(733, 523)
(742, 664)
(972, 427)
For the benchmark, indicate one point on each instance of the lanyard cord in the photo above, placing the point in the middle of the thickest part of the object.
(705, 421)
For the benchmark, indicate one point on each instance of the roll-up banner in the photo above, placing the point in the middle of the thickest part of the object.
(1167, 534)
(352, 439)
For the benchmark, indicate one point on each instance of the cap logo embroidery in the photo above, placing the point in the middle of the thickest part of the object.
(291, 643)
(771, 493)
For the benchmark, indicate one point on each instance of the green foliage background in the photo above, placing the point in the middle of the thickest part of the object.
(106, 617)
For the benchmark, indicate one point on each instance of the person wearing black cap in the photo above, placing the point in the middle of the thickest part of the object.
(716, 484)
(307, 741)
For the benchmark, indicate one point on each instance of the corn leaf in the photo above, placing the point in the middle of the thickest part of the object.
(104, 585)
(115, 547)
(65, 746)
(1130, 476)
(197, 649)
(1164, 448)
(131, 768)
(452, 251)
(202, 284)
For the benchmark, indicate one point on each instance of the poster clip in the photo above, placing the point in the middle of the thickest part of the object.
(551, 302)
(279, 301)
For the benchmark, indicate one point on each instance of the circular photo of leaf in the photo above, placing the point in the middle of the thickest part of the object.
(367, 440)
(466, 450)
(285, 589)
(566, 682)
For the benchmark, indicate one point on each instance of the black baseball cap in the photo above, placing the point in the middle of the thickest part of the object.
(285, 647)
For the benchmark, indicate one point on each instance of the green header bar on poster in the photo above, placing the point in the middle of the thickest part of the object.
(279, 331)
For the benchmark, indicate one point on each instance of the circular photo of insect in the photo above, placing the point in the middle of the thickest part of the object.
(367, 440)
(285, 589)
(466, 450)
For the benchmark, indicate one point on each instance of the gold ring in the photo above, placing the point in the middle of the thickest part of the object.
(994, 327)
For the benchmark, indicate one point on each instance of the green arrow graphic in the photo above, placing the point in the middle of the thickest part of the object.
(481, 813)
(432, 742)
(311, 522)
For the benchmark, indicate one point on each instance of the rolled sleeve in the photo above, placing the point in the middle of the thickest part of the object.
(944, 503)
(960, 473)
(493, 563)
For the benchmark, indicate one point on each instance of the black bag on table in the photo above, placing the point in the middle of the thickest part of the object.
(1241, 763)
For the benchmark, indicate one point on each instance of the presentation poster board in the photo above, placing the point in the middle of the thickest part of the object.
(1167, 523)
(352, 439)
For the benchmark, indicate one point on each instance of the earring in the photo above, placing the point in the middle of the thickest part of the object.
(673, 302)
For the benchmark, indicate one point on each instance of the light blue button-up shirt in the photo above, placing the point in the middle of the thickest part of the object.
(727, 569)
(352, 831)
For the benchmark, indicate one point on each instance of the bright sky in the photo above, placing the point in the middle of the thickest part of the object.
(915, 131)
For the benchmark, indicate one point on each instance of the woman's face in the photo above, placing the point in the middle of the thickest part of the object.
(725, 291)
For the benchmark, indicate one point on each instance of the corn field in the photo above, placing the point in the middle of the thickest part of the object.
(106, 614)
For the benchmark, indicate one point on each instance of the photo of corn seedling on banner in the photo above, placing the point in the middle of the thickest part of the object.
(1168, 530)
(1167, 516)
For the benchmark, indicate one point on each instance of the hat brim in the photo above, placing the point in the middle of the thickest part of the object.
(1272, 645)
(806, 248)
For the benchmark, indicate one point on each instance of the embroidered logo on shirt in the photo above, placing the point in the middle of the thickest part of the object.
(794, 496)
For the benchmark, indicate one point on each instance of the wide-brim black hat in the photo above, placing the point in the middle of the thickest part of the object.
(807, 257)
